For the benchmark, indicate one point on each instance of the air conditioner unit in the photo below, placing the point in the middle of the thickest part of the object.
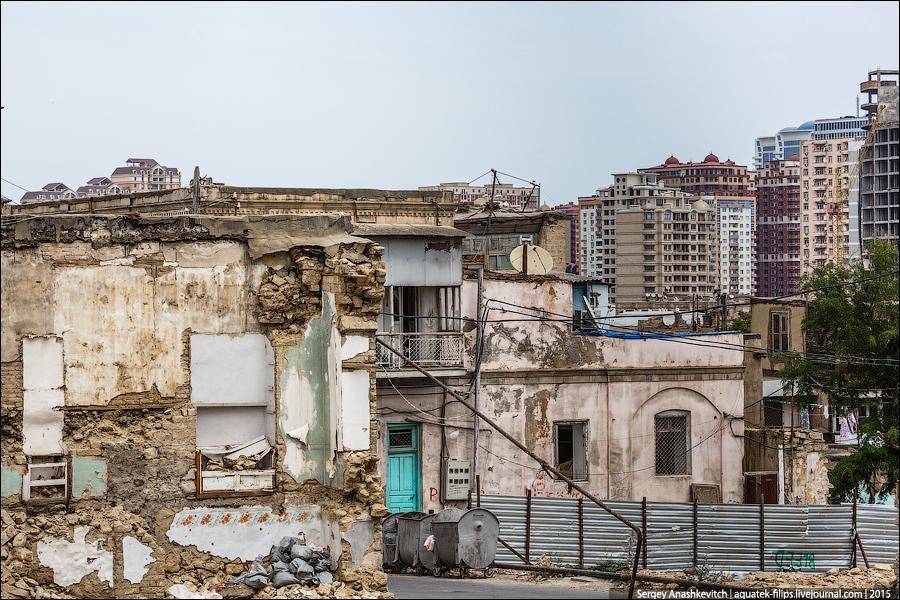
(457, 479)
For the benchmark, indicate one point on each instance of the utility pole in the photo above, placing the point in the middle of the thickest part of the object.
(195, 191)
(723, 299)
(479, 345)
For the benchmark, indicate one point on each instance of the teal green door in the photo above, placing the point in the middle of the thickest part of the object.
(403, 468)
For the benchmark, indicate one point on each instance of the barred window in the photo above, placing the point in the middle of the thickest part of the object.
(673, 442)
(773, 413)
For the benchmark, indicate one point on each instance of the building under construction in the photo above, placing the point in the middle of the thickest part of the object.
(877, 213)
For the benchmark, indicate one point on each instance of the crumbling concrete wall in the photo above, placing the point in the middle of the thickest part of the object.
(806, 467)
(124, 295)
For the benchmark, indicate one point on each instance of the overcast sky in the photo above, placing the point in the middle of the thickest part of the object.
(401, 95)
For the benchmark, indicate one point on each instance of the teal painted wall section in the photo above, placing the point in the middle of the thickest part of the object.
(10, 482)
(88, 475)
(306, 386)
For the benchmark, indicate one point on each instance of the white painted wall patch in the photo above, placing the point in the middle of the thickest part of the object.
(135, 558)
(73, 561)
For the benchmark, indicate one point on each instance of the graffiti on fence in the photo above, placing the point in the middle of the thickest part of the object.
(798, 560)
(541, 486)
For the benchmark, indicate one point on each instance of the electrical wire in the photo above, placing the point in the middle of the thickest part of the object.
(416, 408)
(696, 341)
(653, 466)
(14, 184)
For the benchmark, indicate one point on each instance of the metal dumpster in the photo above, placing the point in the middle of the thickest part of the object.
(466, 540)
(389, 541)
(413, 529)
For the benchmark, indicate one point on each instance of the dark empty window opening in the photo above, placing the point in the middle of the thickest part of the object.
(570, 449)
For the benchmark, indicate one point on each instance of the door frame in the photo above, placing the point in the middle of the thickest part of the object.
(416, 449)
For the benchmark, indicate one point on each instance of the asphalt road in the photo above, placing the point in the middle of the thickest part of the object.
(412, 586)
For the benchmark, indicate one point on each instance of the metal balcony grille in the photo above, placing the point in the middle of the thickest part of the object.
(434, 349)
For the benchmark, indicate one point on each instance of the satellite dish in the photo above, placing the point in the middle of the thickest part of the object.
(531, 260)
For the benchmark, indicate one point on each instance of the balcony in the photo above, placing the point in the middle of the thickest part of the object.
(430, 350)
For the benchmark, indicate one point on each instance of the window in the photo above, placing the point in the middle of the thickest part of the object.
(773, 413)
(570, 449)
(779, 332)
(672, 442)
(232, 383)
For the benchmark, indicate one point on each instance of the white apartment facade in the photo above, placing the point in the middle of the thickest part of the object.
(735, 243)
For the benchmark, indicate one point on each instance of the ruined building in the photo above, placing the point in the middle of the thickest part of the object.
(181, 392)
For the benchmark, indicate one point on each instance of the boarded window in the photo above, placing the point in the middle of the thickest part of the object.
(232, 386)
(570, 449)
(673, 443)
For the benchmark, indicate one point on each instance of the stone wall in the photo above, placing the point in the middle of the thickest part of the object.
(125, 295)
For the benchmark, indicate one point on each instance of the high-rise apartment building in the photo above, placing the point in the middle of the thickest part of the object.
(778, 237)
(839, 128)
(465, 193)
(786, 144)
(146, 175)
(825, 190)
(708, 178)
(665, 248)
(601, 245)
(573, 214)
(879, 157)
(735, 245)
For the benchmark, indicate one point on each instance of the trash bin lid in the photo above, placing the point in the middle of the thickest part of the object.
(449, 515)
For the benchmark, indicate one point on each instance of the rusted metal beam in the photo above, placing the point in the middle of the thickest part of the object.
(644, 526)
(543, 463)
(528, 527)
(514, 551)
(862, 550)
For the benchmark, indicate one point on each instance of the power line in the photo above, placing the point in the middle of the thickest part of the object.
(695, 341)
(14, 184)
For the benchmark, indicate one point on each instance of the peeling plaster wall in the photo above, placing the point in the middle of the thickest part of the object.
(126, 300)
(135, 558)
(536, 374)
(73, 561)
(42, 380)
(249, 531)
(88, 476)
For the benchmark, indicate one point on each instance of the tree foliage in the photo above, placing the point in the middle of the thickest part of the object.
(847, 321)
(741, 322)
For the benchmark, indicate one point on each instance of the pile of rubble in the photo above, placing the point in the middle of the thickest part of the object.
(291, 561)
(876, 577)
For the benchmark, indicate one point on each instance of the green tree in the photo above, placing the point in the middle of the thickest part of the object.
(741, 322)
(858, 324)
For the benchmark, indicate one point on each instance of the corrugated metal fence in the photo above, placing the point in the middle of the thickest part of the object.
(717, 537)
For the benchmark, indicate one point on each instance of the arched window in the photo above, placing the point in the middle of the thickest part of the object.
(673, 438)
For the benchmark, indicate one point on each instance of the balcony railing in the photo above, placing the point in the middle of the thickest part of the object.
(441, 350)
